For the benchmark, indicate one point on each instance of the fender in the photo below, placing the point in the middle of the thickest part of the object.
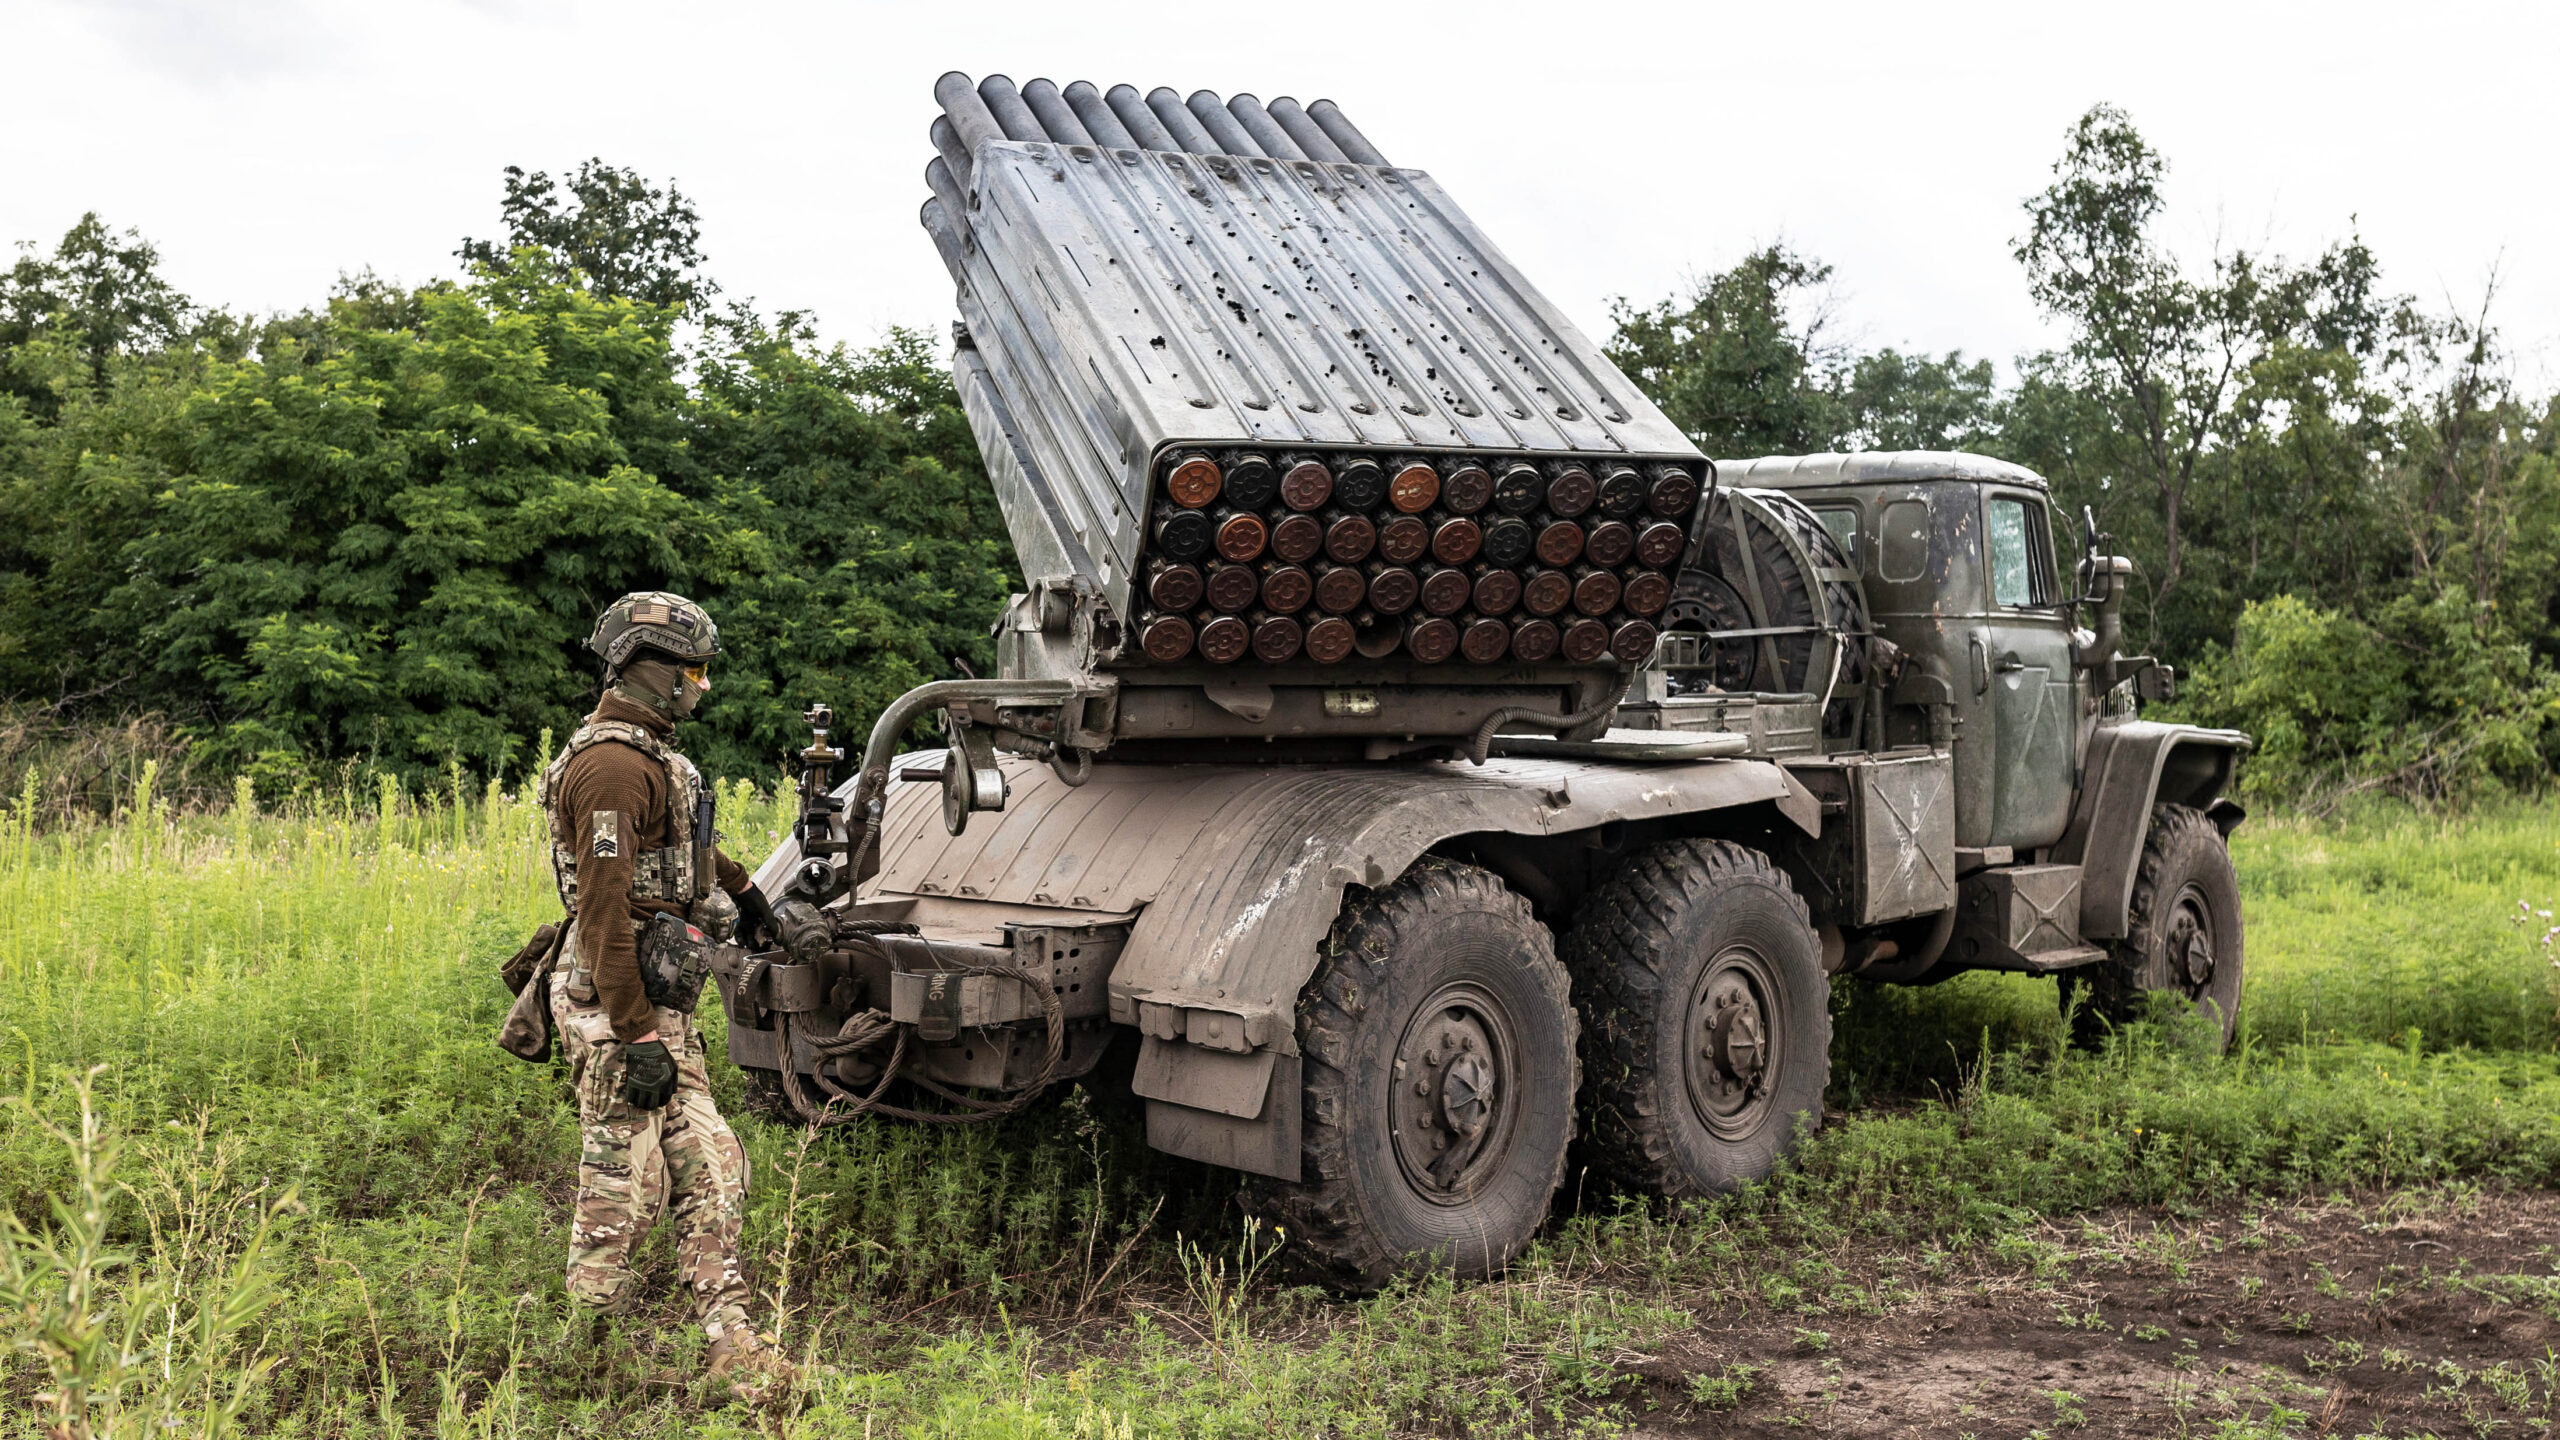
(1235, 874)
(2129, 768)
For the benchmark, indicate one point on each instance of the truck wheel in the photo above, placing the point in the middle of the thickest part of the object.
(2185, 935)
(1437, 1044)
(1706, 1018)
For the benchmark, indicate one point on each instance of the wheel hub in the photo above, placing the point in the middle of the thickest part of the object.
(1731, 1050)
(1466, 1094)
(2190, 944)
(1450, 1090)
(1734, 1041)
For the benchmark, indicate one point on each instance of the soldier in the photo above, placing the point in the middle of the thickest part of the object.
(633, 848)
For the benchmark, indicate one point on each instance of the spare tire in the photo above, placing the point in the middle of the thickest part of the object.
(1761, 560)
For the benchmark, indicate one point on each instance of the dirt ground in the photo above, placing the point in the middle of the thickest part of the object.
(2426, 1313)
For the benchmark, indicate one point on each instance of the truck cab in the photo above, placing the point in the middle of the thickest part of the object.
(1956, 556)
(1987, 786)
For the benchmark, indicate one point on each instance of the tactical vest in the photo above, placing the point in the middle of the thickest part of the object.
(670, 874)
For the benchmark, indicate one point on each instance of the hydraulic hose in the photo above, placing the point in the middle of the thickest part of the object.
(1482, 744)
(1074, 775)
(867, 1029)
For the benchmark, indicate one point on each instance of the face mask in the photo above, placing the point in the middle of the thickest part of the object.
(668, 689)
(691, 686)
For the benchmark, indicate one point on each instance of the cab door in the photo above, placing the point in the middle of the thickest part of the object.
(2022, 668)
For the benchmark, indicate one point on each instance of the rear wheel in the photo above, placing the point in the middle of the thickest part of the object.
(1437, 1044)
(1706, 1018)
(2185, 936)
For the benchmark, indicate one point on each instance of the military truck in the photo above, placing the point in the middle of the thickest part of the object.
(1409, 752)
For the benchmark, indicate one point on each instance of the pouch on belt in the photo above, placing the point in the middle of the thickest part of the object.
(526, 1034)
(674, 958)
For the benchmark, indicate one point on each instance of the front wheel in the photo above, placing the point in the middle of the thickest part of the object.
(1437, 1045)
(2185, 937)
(1706, 1018)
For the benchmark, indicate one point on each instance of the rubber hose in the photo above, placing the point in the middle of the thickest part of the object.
(860, 1032)
(1077, 776)
(1482, 745)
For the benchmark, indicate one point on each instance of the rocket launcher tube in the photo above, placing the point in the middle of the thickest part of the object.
(1289, 116)
(968, 113)
(946, 143)
(1221, 124)
(1005, 103)
(1266, 132)
(1051, 110)
(1100, 120)
(1130, 108)
(1179, 122)
(1337, 126)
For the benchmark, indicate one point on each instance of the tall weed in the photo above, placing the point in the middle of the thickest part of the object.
(137, 1346)
(298, 996)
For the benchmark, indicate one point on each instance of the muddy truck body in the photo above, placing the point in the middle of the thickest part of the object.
(1408, 748)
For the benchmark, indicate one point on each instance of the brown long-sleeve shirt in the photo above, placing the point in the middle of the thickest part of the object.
(616, 778)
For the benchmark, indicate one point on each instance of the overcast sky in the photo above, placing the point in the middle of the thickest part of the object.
(267, 145)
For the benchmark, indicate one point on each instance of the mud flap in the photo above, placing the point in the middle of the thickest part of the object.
(1254, 1128)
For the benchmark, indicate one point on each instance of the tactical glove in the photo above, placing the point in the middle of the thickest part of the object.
(758, 927)
(648, 1075)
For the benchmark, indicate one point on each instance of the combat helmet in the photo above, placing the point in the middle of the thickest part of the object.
(654, 620)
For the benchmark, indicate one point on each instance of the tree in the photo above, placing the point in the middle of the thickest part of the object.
(628, 238)
(2211, 389)
(1888, 400)
(2165, 351)
(99, 292)
(395, 547)
(1742, 364)
(1745, 365)
(873, 551)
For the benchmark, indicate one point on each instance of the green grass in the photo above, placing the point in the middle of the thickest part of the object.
(2364, 928)
(294, 1013)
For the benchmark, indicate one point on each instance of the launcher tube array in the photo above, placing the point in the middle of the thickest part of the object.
(1265, 557)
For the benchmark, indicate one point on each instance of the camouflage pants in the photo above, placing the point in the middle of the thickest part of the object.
(633, 1164)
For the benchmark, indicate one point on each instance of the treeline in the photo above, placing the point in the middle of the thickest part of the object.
(2345, 514)
(375, 532)
(380, 529)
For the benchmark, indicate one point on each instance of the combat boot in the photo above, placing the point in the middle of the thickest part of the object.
(752, 1365)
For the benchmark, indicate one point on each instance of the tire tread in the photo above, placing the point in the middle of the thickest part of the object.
(1332, 1238)
(1617, 952)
